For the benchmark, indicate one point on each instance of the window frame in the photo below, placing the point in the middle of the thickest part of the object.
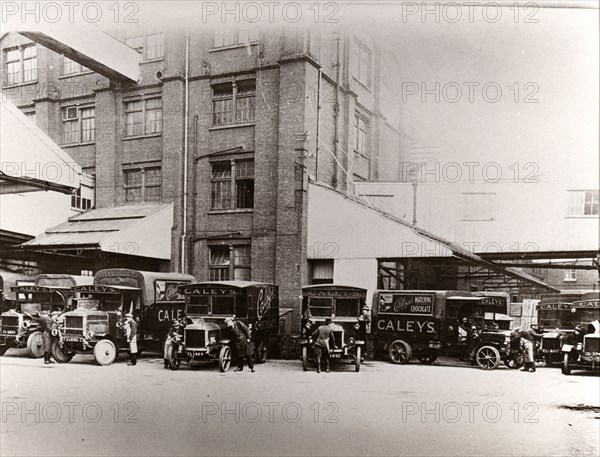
(21, 65)
(577, 201)
(230, 267)
(220, 34)
(570, 275)
(231, 181)
(144, 46)
(246, 115)
(363, 149)
(78, 121)
(80, 203)
(82, 69)
(143, 101)
(363, 63)
(143, 185)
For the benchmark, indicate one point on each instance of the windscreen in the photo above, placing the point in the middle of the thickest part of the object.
(557, 318)
(347, 307)
(223, 305)
(321, 306)
(198, 305)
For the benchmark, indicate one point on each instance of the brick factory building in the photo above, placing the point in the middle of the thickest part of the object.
(228, 127)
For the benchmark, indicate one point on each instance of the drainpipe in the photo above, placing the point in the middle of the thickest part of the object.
(185, 153)
(336, 110)
(194, 191)
(414, 184)
(318, 122)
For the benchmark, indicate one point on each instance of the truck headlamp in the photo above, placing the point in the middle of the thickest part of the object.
(357, 326)
(90, 334)
(212, 340)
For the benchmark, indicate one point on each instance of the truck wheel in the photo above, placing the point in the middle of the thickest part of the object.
(428, 359)
(566, 365)
(304, 358)
(487, 357)
(61, 354)
(260, 353)
(105, 352)
(358, 356)
(225, 358)
(3, 349)
(400, 352)
(35, 345)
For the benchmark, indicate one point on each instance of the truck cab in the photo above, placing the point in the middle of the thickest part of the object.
(95, 326)
(48, 293)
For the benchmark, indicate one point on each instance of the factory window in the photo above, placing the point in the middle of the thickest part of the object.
(571, 275)
(21, 64)
(151, 46)
(361, 57)
(143, 117)
(79, 124)
(229, 262)
(79, 202)
(233, 37)
(361, 134)
(232, 185)
(71, 67)
(143, 184)
(479, 206)
(583, 203)
(233, 103)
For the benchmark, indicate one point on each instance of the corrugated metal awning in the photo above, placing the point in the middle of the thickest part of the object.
(139, 230)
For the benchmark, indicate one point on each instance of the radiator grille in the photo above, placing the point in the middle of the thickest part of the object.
(74, 325)
(550, 343)
(338, 337)
(592, 345)
(10, 322)
(194, 338)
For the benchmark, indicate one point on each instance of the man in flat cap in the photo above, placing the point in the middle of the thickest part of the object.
(322, 336)
(172, 342)
(131, 330)
(241, 336)
(47, 323)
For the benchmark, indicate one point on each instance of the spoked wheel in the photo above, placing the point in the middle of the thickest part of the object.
(358, 356)
(105, 352)
(260, 353)
(566, 365)
(35, 345)
(487, 357)
(428, 359)
(400, 352)
(304, 358)
(61, 353)
(225, 358)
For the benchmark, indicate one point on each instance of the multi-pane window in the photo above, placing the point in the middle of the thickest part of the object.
(361, 56)
(21, 64)
(233, 103)
(155, 46)
(79, 202)
(229, 262)
(143, 184)
(479, 206)
(71, 67)
(143, 117)
(233, 37)
(583, 203)
(232, 185)
(79, 124)
(570, 275)
(220, 195)
(361, 134)
(244, 183)
(152, 46)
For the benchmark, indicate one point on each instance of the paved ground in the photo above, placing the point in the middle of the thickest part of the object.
(83, 409)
